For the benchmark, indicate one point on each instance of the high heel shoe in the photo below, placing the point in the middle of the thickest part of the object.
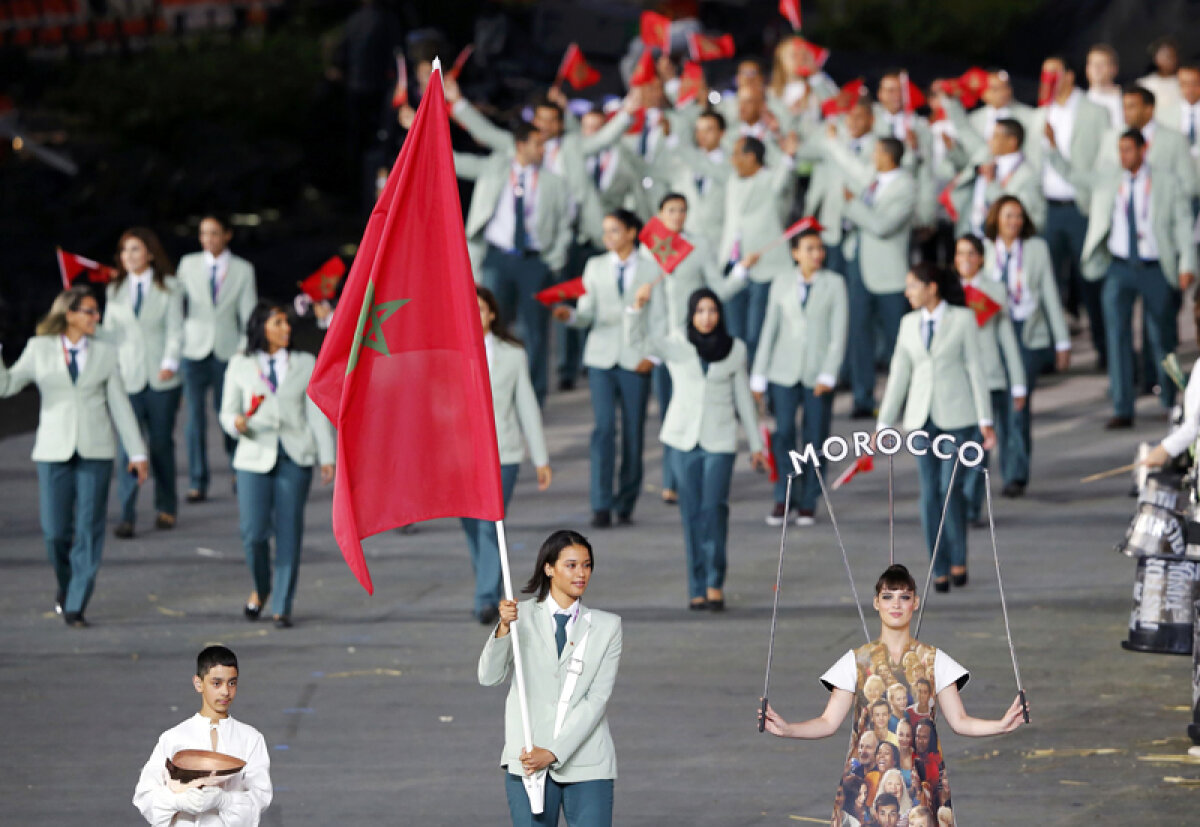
(253, 607)
(941, 585)
(959, 579)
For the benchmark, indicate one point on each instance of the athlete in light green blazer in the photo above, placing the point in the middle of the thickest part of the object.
(82, 399)
(570, 654)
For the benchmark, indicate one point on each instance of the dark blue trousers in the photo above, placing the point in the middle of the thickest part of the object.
(874, 323)
(814, 430)
(155, 412)
(584, 803)
(273, 503)
(661, 380)
(73, 499)
(1124, 283)
(613, 390)
(485, 546)
(935, 476)
(515, 279)
(704, 479)
(199, 375)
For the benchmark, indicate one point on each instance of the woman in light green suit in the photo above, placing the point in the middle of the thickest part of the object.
(280, 436)
(82, 399)
(710, 392)
(569, 657)
(516, 410)
(143, 320)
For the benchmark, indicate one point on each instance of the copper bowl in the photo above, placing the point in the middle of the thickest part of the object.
(187, 765)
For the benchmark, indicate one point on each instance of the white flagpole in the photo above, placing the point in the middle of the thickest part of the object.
(535, 785)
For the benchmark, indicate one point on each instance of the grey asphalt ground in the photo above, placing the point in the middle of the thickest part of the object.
(372, 710)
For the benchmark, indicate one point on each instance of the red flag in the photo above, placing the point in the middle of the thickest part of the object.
(702, 47)
(790, 9)
(911, 95)
(984, 305)
(807, 223)
(644, 72)
(70, 266)
(845, 99)
(402, 372)
(812, 57)
(1048, 87)
(668, 248)
(972, 84)
(561, 292)
(772, 466)
(322, 285)
(575, 70)
(461, 61)
(255, 403)
(691, 83)
(946, 201)
(656, 31)
(863, 465)
(400, 95)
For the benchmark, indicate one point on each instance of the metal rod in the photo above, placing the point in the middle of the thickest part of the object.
(787, 499)
(937, 544)
(1012, 651)
(891, 511)
(842, 546)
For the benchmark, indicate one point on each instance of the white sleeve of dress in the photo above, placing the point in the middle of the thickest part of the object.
(843, 674)
(946, 670)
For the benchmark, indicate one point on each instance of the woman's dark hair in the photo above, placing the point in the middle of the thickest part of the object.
(629, 221)
(807, 232)
(221, 218)
(933, 736)
(895, 577)
(498, 327)
(256, 325)
(948, 286)
(975, 243)
(159, 259)
(851, 784)
(895, 752)
(991, 224)
(539, 584)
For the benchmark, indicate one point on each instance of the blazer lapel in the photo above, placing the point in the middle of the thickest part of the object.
(582, 625)
(541, 625)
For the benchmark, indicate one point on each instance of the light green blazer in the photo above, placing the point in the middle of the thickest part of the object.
(515, 406)
(584, 748)
(882, 231)
(552, 207)
(825, 198)
(1091, 122)
(75, 417)
(803, 344)
(919, 163)
(1047, 326)
(752, 216)
(217, 329)
(622, 189)
(997, 337)
(706, 210)
(286, 417)
(705, 407)
(1168, 150)
(699, 269)
(1021, 112)
(602, 309)
(149, 342)
(946, 383)
(1025, 182)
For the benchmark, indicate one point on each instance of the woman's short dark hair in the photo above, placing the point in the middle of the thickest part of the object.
(628, 219)
(949, 287)
(991, 224)
(499, 326)
(539, 584)
(896, 577)
(933, 735)
(256, 325)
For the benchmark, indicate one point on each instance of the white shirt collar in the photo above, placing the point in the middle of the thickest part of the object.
(616, 259)
(1140, 175)
(1007, 163)
(936, 314)
(554, 609)
(79, 347)
(222, 261)
(143, 277)
(884, 178)
(1072, 101)
(1002, 247)
(522, 170)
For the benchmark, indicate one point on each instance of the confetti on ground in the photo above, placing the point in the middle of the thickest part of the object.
(1071, 783)
(810, 820)
(366, 673)
(170, 612)
(1183, 782)
(1073, 753)
(1169, 759)
(445, 719)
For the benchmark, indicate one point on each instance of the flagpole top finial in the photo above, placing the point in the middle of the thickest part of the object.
(437, 64)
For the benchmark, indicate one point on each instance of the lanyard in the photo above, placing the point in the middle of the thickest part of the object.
(62, 340)
(1016, 290)
(514, 180)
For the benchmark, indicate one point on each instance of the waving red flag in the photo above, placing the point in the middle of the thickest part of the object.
(702, 47)
(561, 292)
(1048, 87)
(944, 198)
(71, 266)
(655, 30)
(575, 70)
(691, 83)
(972, 84)
(984, 305)
(863, 465)
(668, 248)
(403, 372)
(790, 9)
(910, 94)
(845, 99)
(644, 71)
(323, 284)
(812, 57)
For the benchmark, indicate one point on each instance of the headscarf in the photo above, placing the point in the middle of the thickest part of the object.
(717, 343)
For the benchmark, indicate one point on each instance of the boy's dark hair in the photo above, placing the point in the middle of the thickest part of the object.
(221, 218)
(1013, 129)
(885, 799)
(212, 656)
(671, 196)
(895, 577)
(755, 147)
(1136, 136)
(1141, 91)
(523, 131)
(810, 232)
(716, 116)
(894, 148)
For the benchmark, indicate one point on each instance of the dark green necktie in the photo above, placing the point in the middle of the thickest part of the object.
(1131, 220)
(137, 300)
(560, 633)
(520, 241)
(272, 377)
(72, 365)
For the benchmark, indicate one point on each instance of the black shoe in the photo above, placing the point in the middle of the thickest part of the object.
(1014, 490)
(716, 605)
(251, 611)
(601, 519)
(488, 615)
(959, 579)
(941, 585)
(862, 413)
(123, 531)
(75, 620)
(625, 519)
(283, 622)
(1118, 423)
(698, 605)
(59, 598)
(566, 384)
(194, 496)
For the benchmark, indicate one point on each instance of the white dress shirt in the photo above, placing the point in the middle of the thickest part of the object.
(1189, 124)
(630, 272)
(552, 608)
(609, 160)
(502, 228)
(80, 348)
(934, 316)
(897, 124)
(280, 358)
(1118, 235)
(222, 262)
(1005, 166)
(248, 793)
(144, 280)
(1062, 118)
(552, 155)
(879, 183)
(1111, 100)
(1010, 269)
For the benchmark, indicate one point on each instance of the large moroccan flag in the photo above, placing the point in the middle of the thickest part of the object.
(403, 373)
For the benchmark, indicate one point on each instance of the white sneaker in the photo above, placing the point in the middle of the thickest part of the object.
(778, 515)
(805, 518)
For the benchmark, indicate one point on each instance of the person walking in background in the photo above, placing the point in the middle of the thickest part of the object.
(219, 294)
(517, 413)
(82, 399)
(280, 434)
(143, 320)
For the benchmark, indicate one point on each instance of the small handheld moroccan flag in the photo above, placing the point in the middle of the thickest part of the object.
(564, 291)
(983, 304)
(668, 248)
